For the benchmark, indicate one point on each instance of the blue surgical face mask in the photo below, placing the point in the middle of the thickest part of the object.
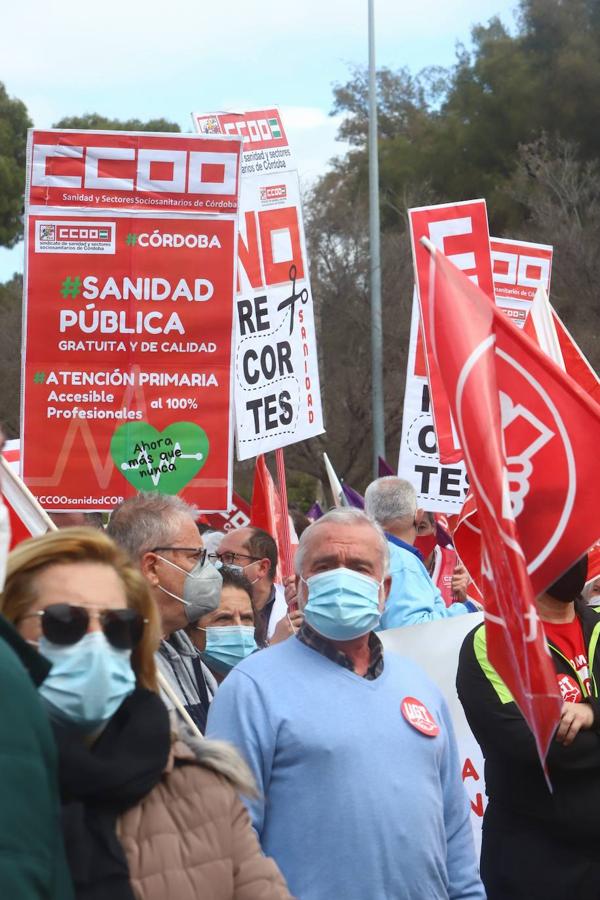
(342, 604)
(88, 681)
(227, 645)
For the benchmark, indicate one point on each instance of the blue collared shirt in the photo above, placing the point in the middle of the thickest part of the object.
(392, 539)
(413, 596)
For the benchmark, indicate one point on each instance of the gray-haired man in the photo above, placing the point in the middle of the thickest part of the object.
(413, 597)
(360, 791)
(159, 532)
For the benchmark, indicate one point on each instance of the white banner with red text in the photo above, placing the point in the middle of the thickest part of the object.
(276, 382)
(517, 269)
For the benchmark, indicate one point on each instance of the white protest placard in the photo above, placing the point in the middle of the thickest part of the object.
(266, 148)
(435, 647)
(519, 268)
(440, 488)
(459, 230)
(276, 381)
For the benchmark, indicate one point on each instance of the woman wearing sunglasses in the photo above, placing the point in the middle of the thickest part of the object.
(136, 810)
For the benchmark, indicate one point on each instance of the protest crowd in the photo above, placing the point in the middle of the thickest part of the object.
(190, 748)
(393, 699)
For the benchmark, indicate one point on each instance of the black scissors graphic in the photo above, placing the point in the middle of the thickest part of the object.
(294, 297)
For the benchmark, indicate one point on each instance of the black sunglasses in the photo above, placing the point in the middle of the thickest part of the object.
(65, 624)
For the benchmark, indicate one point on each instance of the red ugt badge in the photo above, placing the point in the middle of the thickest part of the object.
(417, 715)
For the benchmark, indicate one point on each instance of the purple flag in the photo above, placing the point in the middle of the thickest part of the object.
(384, 467)
(352, 497)
(315, 512)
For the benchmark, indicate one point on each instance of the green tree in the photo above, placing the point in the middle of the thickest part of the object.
(10, 354)
(514, 121)
(14, 123)
(96, 122)
(338, 245)
(560, 196)
(460, 130)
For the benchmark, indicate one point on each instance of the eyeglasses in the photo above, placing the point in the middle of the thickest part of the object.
(197, 553)
(65, 624)
(228, 558)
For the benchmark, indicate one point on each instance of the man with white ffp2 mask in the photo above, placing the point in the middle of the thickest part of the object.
(160, 534)
(353, 751)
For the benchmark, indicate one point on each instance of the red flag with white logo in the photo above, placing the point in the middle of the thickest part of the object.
(546, 329)
(528, 434)
(460, 231)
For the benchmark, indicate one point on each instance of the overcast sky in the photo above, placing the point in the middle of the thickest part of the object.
(153, 59)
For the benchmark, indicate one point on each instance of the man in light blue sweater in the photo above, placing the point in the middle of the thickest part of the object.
(413, 597)
(361, 795)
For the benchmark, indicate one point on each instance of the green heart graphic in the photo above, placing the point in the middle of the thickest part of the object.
(162, 461)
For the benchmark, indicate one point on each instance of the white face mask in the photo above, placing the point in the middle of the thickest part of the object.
(241, 569)
(201, 589)
(4, 541)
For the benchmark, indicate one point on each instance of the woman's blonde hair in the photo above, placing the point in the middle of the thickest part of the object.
(70, 545)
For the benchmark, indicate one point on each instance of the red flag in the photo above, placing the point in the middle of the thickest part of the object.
(467, 538)
(593, 562)
(547, 330)
(575, 362)
(265, 511)
(529, 437)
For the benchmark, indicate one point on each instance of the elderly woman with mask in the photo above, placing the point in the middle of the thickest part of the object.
(143, 817)
(225, 636)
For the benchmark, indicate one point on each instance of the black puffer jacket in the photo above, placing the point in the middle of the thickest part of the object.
(529, 831)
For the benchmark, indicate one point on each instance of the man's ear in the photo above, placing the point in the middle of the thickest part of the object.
(148, 565)
(263, 566)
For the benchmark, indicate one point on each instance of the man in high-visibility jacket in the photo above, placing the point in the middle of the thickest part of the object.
(537, 843)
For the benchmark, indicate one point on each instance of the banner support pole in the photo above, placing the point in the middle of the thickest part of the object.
(286, 562)
(375, 261)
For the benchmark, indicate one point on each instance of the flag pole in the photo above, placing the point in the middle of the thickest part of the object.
(334, 483)
(375, 263)
(287, 562)
(20, 487)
